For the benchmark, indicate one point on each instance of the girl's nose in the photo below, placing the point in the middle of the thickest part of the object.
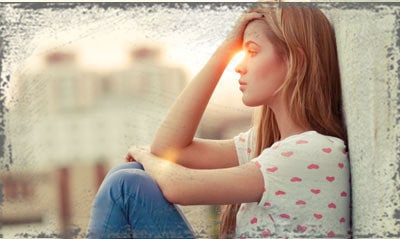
(240, 68)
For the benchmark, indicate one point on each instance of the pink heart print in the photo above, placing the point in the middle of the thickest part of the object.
(295, 179)
(273, 169)
(284, 215)
(301, 228)
(287, 154)
(330, 178)
(301, 141)
(313, 166)
(327, 150)
(266, 233)
(253, 220)
(318, 216)
(332, 205)
(278, 193)
(315, 191)
(341, 165)
(300, 202)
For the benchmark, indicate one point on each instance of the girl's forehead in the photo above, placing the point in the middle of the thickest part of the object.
(255, 29)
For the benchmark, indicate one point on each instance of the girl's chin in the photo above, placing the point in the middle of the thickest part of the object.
(249, 103)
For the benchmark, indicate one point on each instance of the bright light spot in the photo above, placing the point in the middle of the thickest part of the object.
(238, 57)
(171, 155)
(235, 61)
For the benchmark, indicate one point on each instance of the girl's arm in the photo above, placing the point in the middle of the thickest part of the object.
(186, 186)
(175, 137)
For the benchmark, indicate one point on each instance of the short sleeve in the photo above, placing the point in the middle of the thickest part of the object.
(279, 166)
(306, 189)
(244, 146)
(303, 172)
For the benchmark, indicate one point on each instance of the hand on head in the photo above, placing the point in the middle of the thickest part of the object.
(235, 37)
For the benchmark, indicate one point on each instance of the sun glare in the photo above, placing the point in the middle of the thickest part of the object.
(171, 155)
(236, 60)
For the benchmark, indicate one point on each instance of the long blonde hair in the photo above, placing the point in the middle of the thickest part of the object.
(306, 38)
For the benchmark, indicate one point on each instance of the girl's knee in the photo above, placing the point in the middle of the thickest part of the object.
(130, 176)
(129, 165)
(127, 182)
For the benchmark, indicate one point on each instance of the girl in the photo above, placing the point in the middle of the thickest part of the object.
(287, 177)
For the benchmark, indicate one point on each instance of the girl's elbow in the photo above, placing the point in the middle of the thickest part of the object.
(155, 149)
(176, 196)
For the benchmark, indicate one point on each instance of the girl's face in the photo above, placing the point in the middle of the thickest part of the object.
(262, 71)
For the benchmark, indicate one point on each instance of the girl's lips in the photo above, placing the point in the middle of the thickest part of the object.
(242, 85)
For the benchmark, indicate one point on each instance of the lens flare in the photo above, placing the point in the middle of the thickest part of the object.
(237, 58)
(171, 155)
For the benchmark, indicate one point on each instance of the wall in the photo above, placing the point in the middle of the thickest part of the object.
(368, 46)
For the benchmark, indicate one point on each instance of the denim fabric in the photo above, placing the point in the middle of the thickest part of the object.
(129, 204)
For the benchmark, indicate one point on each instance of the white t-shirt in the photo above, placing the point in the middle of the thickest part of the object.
(307, 188)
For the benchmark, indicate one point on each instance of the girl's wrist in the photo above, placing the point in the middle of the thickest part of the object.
(228, 50)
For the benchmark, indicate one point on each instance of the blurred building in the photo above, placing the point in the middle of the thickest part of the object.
(68, 127)
(79, 115)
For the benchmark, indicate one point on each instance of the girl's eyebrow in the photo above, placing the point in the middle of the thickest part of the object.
(247, 43)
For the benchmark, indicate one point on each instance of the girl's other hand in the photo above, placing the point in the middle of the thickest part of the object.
(129, 158)
(134, 153)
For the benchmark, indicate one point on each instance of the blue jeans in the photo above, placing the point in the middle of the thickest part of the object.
(129, 204)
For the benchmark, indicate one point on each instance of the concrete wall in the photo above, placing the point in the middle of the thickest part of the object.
(368, 46)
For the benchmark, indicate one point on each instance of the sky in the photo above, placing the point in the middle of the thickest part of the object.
(103, 37)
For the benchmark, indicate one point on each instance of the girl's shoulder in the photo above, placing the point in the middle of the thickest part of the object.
(309, 142)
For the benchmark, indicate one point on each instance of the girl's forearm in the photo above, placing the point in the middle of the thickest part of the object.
(180, 125)
(168, 175)
(181, 185)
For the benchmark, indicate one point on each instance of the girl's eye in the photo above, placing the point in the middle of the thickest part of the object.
(251, 52)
